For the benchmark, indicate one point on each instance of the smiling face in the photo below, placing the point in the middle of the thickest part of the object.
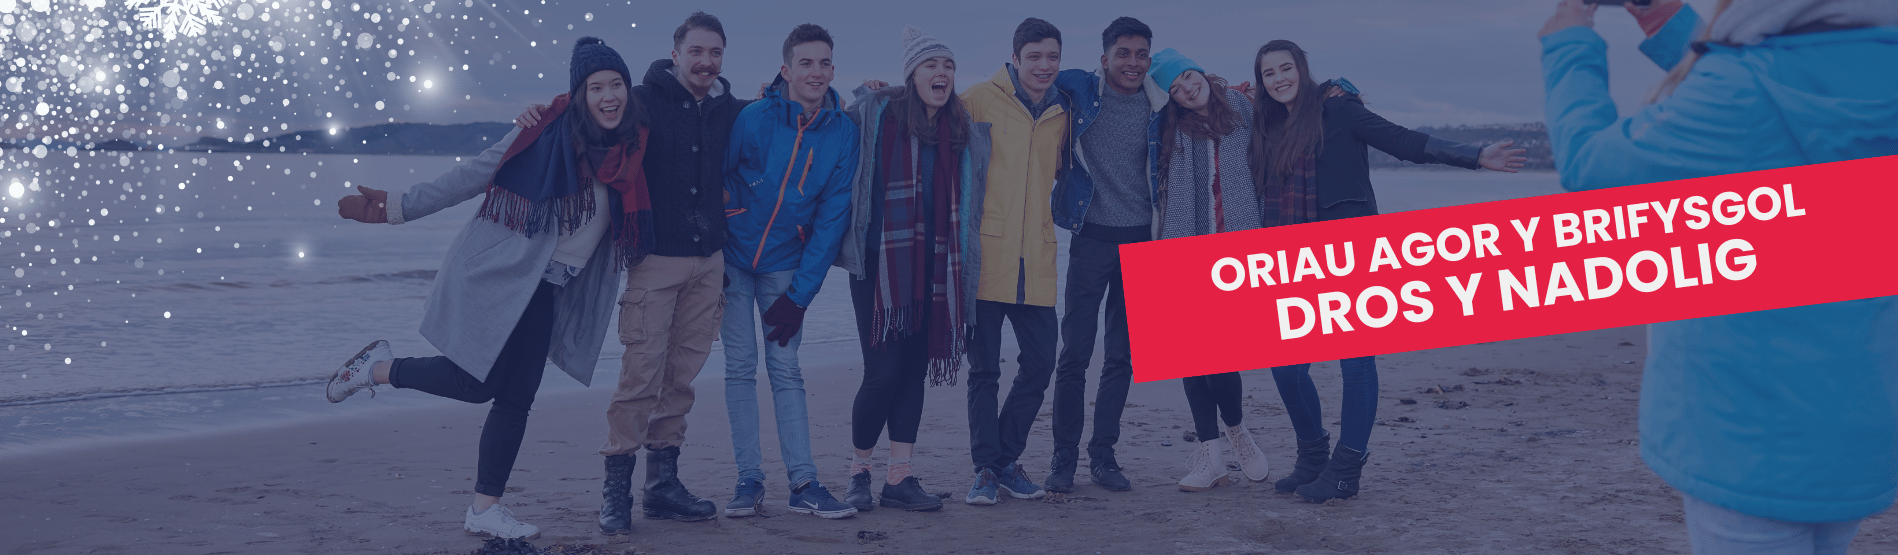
(935, 80)
(1278, 75)
(808, 73)
(1191, 90)
(606, 98)
(1127, 63)
(698, 59)
(1036, 65)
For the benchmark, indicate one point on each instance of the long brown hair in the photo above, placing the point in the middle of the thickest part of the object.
(1220, 119)
(909, 106)
(1686, 65)
(1282, 134)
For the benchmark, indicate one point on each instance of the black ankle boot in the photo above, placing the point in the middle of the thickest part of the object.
(1061, 473)
(616, 513)
(666, 497)
(1339, 479)
(1311, 459)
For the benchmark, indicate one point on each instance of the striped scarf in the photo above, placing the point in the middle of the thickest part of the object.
(919, 262)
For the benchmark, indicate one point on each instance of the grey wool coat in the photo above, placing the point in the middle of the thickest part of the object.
(491, 273)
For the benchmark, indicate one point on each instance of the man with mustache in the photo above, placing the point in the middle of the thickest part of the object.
(671, 308)
(1106, 197)
(1030, 124)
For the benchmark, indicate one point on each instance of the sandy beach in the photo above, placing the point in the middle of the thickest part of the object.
(1532, 449)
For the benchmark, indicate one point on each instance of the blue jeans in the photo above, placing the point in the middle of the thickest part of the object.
(739, 332)
(1355, 416)
(1713, 529)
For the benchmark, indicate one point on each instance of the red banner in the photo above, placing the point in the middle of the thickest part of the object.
(1511, 269)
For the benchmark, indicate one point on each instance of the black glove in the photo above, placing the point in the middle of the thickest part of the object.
(785, 318)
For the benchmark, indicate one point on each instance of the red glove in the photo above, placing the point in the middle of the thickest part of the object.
(370, 207)
(785, 318)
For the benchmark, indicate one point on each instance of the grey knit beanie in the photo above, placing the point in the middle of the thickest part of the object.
(918, 47)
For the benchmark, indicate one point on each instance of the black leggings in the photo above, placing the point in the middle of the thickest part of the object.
(893, 375)
(511, 384)
(1217, 393)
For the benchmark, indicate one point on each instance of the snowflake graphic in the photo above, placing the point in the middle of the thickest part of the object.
(174, 17)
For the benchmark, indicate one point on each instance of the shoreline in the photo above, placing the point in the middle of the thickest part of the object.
(1542, 462)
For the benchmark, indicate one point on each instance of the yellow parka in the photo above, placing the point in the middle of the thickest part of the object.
(1017, 217)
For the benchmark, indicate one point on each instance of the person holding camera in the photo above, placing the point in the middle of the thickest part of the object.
(1779, 427)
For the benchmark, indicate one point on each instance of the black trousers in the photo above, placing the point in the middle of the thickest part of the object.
(997, 440)
(893, 378)
(511, 385)
(1093, 276)
(1212, 399)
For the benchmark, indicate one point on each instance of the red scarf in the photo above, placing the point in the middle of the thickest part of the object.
(622, 170)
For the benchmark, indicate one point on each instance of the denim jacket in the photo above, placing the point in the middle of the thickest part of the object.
(1074, 189)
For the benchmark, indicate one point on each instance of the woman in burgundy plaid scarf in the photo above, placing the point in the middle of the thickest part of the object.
(911, 252)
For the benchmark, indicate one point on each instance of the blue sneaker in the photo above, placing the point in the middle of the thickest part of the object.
(1015, 481)
(745, 501)
(815, 500)
(983, 492)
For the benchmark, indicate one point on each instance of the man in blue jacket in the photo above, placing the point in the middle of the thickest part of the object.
(1106, 197)
(788, 172)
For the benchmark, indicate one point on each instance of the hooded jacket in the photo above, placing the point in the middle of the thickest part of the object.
(685, 161)
(1787, 414)
(790, 188)
(1075, 189)
(866, 111)
(1018, 242)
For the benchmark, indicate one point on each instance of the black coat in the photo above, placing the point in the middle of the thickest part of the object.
(685, 159)
(1344, 167)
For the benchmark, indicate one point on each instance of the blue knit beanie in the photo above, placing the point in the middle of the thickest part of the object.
(1168, 65)
(591, 55)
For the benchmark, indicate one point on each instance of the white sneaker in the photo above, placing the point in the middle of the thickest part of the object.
(1251, 458)
(358, 373)
(497, 522)
(1209, 468)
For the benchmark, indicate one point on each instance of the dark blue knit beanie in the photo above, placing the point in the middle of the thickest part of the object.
(592, 55)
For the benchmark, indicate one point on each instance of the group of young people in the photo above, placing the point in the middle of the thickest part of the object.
(941, 206)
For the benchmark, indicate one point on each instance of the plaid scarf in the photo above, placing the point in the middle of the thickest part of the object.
(1293, 200)
(919, 262)
(540, 186)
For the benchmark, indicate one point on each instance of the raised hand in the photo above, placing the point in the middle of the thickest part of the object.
(1500, 157)
(530, 117)
(875, 84)
(1569, 13)
(369, 206)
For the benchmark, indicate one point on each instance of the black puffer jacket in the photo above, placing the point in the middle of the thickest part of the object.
(685, 160)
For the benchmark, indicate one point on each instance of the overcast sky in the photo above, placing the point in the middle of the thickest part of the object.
(1418, 62)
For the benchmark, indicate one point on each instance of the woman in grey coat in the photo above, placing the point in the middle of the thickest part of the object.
(533, 276)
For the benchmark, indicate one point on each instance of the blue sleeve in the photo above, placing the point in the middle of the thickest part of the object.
(1072, 81)
(1669, 44)
(833, 215)
(1686, 135)
(734, 155)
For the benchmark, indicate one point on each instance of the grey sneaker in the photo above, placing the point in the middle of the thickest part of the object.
(357, 373)
(497, 522)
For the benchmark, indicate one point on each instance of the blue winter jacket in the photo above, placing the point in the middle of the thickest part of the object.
(790, 188)
(1073, 189)
(1787, 414)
